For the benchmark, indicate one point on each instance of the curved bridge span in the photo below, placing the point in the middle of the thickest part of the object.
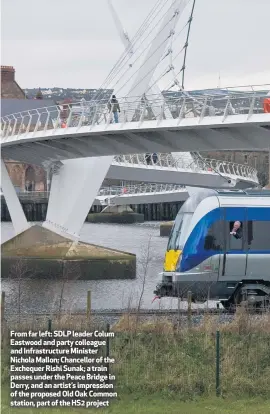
(88, 133)
(176, 169)
(202, 124)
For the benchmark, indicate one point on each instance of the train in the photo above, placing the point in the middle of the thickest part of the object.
(219, 249)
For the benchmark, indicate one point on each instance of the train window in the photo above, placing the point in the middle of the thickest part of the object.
(175, 232)
(236, 229)
(179, 233)
(236, 239)
(259, 235)
(214, 240)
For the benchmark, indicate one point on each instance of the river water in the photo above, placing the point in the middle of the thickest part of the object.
(45, 295)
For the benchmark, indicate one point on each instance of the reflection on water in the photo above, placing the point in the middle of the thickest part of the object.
(45, 295)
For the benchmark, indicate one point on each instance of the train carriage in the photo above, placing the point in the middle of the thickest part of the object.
(219, 248)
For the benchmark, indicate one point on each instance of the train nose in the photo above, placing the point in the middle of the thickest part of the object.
(172, 257)
(165, 287)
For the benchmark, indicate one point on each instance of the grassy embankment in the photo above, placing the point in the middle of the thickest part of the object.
(155, 404)
(163, 368)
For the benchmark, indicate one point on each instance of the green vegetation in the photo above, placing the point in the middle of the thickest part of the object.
(139, 404)
(185, 365)
(164, 367)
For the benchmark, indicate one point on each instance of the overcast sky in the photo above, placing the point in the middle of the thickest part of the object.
(74, 43)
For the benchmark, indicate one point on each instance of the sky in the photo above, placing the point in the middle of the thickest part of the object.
(74, 43)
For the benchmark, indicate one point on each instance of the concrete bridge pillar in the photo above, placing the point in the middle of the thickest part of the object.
(15, 209)
(75, 184)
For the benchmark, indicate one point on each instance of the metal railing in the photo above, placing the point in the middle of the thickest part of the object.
(133, 109)
(198, 164)
(144, 188)
(114, 190)
(227, 168)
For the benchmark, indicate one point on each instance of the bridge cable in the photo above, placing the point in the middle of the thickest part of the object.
(186, 44)
(170, 36)
(171, 67)
(173, 40)
(130, 65)
(125, 53)
(146, 25)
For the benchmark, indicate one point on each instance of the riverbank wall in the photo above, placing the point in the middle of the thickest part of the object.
(35, 210)
(38, 253)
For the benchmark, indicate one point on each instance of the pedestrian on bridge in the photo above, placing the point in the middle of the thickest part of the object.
(148, 158)
(155, 158)
(114, 108)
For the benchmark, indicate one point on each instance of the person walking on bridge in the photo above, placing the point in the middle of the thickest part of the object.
(114, 108)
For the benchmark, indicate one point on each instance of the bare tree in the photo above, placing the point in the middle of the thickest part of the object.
(145, 264)
(20, 272)
(145, 260)
(70, 272)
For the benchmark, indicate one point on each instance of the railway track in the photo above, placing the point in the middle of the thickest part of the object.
(141, 312)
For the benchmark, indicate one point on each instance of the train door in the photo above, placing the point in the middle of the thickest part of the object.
(234, 261)
(258, 259)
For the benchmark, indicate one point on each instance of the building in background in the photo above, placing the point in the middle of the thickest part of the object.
(9, 87)
(25, 177)
(258, 160)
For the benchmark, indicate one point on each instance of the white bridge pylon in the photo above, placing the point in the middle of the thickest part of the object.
(79, 174)
(163, 109)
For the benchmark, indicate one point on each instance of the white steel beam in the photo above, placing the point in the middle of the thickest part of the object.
(15, 209)
(153, 90)
(156, 50)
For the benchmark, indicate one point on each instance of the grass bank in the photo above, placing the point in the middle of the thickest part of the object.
(176, 362)
(139, 404)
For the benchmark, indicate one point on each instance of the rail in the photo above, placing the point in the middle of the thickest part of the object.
(140, 189)
(198, 164)
(133, 109)
(114, 190)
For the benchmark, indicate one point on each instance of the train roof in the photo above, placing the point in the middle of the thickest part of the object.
(226, 198)
(243, 193)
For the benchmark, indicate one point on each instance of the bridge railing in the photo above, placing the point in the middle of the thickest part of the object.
(140, 189)
(133, 109)
(228, 168)
(113, 190)
(199, 164)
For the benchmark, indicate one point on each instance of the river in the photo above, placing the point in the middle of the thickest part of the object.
(44, 295)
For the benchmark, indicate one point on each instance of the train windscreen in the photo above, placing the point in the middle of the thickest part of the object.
(183, 218)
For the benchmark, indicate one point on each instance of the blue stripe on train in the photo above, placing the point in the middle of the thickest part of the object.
(194, 253)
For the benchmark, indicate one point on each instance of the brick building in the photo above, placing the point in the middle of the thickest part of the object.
(13, 99)
(9, 87)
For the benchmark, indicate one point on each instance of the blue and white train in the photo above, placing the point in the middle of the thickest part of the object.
(219, 248)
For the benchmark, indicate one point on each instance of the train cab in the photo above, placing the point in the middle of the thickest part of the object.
(219, 247)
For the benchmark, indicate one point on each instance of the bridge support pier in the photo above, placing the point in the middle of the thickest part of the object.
(121, 214)
(74, 186)
(15, 209)
(52, 250)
